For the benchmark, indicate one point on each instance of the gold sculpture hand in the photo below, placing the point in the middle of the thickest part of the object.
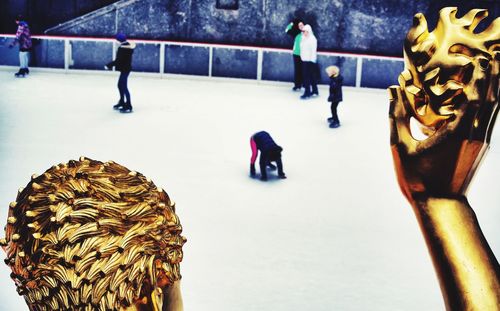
(449, 89)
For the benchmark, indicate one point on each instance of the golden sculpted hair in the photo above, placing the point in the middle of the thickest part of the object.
(88, 235)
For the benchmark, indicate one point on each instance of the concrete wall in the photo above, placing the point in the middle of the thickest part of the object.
(45, 14)
(373, 27)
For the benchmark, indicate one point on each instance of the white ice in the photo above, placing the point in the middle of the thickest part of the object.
(336, 235)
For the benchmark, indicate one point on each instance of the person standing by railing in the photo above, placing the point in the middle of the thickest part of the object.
(23, 38)
(294, 29)
(308, 54)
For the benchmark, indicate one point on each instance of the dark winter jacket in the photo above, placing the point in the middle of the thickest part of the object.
(266, 144)
(293, 29)
(123, 61)
(23, 37)
(335, 89)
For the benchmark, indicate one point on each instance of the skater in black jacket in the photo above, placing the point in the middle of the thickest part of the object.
(123, 64)
(269, 152)
(335, 94)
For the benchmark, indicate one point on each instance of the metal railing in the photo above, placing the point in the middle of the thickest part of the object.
(68, 55)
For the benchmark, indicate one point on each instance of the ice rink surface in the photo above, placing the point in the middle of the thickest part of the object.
(336, 235)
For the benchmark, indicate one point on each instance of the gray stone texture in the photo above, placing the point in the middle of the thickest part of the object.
(154, 19)
(188, 60)
(364, 26)
(100, 26)
(91, 54)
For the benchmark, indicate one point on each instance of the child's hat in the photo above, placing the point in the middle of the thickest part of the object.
(121, 37)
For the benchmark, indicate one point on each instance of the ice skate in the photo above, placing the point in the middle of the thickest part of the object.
(334, 125)
(127, 108)
(271, 166)
(119, 105)
(20, 73)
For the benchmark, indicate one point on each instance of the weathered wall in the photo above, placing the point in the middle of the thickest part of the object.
(362, 26)
(46, 13)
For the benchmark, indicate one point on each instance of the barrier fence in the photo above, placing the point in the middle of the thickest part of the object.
(201, 59)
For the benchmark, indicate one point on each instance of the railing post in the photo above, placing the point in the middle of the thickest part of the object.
(359, 70)
(162, 58)
(260, 57)
(210, 56)
(67, 54)
(113, 52)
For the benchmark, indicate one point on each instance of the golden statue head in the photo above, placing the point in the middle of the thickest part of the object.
(88, 235)
(450, 68)
(449, 89)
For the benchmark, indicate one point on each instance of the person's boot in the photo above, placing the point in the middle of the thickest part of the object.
(20, 73)
(330, 120)
(334, 124)
(305, 96)
(271, 166)
(252, 170)
(127, 108)
(26, 71)
(119, 105)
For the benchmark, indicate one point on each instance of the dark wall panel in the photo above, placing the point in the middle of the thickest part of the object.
(146, 58)
(8, 56)
(194, 60)
(380, 73)
(347, 66)
(277, 66)
(91, 55)
(48, 53)
(190, 60)
(234, 63)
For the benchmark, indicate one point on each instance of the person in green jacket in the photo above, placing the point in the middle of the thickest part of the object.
(294, 29)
